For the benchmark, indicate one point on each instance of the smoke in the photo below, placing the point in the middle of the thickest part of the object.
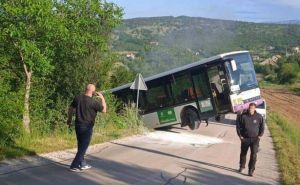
(182, 138)
(186, 40)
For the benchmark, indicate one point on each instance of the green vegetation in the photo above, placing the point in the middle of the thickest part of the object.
(49, 51)
(107, 127)
(291, 87)
(286, 137)
(162, 43)
(285, 74)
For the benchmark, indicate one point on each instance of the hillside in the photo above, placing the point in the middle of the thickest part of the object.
(152, 45)
(289, 22)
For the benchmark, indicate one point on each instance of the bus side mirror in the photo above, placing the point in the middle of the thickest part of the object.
(233, 65)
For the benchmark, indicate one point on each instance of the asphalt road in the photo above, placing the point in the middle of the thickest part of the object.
(209, 155)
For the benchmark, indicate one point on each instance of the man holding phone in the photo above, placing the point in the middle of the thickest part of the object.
(85, 108)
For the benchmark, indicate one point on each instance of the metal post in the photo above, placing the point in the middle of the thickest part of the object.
(137, 102)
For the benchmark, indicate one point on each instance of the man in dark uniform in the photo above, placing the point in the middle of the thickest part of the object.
(250, 128)
(85, 108)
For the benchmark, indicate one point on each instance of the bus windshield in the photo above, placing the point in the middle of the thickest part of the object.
(243, 77)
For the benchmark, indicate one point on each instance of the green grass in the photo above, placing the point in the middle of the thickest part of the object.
(295, 87)
(108, 127)
(34, 144)
(286, 138)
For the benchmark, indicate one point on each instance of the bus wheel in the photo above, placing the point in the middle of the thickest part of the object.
(193, 120)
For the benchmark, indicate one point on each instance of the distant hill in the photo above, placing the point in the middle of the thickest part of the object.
(289, 22)
(160, 43)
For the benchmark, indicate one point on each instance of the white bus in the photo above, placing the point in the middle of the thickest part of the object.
(197, 91)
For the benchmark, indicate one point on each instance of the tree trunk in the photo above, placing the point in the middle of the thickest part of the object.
(26, 115)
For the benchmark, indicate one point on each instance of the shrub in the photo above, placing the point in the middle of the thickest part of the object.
(288, 73)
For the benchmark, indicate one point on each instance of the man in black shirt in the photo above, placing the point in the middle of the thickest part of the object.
(85, 108)
(250, 128)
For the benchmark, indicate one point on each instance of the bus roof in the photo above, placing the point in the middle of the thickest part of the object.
(181, 68)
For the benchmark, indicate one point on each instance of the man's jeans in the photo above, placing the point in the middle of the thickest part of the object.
(253, 143)
(84, 135)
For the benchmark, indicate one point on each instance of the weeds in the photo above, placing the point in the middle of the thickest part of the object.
(286, 138)
(44, 138)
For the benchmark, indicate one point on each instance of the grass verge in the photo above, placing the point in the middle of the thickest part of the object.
(295, 87)
(107, 127)
(286, 138)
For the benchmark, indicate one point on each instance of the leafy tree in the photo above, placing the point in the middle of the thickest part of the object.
(44, 38)
(11, 107)
(288, 73)
(85, 49)
(27, 35)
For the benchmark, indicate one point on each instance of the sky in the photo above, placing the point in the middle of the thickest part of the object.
(243, 10)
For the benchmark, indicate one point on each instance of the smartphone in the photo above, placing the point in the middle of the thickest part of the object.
(95, 93)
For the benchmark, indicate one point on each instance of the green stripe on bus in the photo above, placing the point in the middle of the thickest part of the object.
(166, 115)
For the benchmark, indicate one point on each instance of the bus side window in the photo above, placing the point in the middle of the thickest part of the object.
(201, 86)
(182, 88)
(128, 98)
(192, 93)
(157, 95)
(142, 101)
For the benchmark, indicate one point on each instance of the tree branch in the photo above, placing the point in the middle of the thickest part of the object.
(27, 71)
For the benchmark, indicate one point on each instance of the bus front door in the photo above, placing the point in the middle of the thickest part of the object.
(220, 88)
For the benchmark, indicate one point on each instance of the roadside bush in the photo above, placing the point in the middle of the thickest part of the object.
(119, 116)
(288, 73)
(10, 114)
(270, 78)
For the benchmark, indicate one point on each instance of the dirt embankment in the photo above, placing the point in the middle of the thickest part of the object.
(284, 102)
